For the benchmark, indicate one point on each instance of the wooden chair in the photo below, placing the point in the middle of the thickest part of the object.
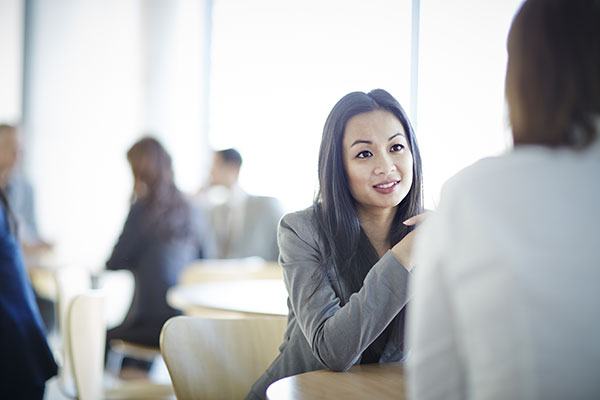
(118, 287)
(215, 358)
(86, 336)
(82, 321)
(70, 282)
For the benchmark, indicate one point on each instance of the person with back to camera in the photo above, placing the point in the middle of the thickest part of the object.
(26, 361)
(346, 260)
(162, 234)
(507, 296)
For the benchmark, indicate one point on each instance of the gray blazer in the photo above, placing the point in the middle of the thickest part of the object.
(321, 333)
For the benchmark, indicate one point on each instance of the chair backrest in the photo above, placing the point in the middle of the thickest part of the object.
(70, 282)
(86, 342)
(214, 358)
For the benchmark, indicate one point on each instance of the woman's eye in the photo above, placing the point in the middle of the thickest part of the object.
(364, 154)
(397, 147)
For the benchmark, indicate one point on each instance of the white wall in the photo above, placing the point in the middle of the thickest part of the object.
(11, 54)
(102, 73)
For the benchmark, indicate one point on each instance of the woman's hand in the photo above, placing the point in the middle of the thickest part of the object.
(403, 250)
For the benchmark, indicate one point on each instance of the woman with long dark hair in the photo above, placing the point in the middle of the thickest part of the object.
(346, 260)
(162, 234)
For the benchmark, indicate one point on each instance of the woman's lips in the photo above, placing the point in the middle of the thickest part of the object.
(386, 187)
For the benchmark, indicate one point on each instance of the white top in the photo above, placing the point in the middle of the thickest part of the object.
(507, 286)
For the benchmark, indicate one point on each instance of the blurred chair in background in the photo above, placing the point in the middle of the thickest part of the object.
(84, 340)
(219, 358)
(245, 225)
(162, 234)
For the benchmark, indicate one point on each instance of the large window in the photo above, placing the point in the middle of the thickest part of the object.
(101, 73)
(461, 112)
(277, 69)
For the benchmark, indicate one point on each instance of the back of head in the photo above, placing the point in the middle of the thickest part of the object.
(553, 72)
(168, 212)
(151, 164)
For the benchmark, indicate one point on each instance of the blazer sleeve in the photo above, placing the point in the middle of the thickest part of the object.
(126, 250)
(337, 334)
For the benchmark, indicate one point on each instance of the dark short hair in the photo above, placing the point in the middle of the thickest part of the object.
(553, 72)
(231, 156)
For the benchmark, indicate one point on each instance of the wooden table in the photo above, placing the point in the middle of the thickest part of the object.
(370, 381)
(263, 297)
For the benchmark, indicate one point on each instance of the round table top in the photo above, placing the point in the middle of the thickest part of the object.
(369, 381)
(253, 296)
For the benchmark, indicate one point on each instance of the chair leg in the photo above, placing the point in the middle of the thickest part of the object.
(114, 362)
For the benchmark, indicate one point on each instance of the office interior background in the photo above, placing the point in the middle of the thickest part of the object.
(86, 78)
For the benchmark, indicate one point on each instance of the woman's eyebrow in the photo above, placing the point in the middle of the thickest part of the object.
(359, 141)
(397, 134)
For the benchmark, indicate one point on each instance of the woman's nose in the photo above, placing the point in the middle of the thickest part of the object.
(384, 166)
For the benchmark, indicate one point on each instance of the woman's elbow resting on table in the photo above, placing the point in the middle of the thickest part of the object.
(333, 357)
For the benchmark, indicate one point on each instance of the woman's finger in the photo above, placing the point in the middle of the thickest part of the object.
(417, 219)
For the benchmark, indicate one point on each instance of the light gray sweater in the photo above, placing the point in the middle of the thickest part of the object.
(321, 333)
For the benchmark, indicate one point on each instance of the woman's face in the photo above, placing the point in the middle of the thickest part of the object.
(377, 159)
(140, 187)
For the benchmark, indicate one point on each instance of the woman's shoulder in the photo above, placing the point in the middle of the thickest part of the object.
(302, 224)
(302, 219)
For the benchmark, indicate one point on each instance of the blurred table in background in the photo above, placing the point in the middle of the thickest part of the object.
(231, 298)
(209, 270)
(42, 265)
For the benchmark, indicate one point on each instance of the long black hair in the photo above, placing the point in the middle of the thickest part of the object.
(168, 212)
(348, 250)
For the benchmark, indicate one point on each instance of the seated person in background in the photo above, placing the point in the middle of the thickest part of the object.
(19, 194)
(245, 225)
(18, 189)
(26, 361)
(162, 234)
(346, 260)
(507, 292)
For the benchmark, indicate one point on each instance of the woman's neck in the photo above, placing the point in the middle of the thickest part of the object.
(377, 224)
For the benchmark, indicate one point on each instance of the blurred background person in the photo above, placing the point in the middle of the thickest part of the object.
(26, 361)
(245, 225)
(18, 189)
(507, 290)
(162, 234)
(20, 195)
